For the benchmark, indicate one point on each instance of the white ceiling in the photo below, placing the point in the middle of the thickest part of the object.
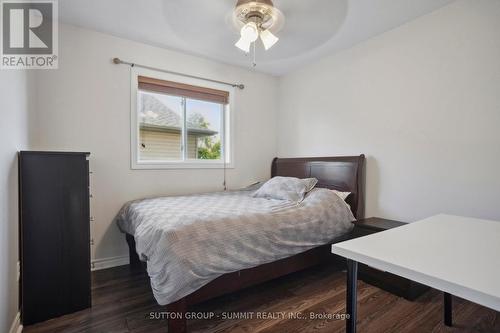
(313, 28)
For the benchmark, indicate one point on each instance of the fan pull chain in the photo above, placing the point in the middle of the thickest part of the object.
(254, 63)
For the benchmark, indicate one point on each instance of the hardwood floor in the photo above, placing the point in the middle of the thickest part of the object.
(122, 302)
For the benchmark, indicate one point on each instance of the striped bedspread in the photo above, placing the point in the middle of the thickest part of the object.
(188, 241)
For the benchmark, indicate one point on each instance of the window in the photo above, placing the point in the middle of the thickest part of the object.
(179, 122)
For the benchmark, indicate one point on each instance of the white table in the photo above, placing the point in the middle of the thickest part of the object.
(457, 255)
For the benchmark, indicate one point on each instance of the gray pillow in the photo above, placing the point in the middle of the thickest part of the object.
(286, 188)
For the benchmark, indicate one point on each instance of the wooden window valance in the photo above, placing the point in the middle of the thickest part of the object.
(183, 90)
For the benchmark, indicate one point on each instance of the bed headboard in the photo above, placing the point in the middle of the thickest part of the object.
(345, 173)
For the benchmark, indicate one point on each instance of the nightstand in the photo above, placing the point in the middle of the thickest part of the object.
(386, 281)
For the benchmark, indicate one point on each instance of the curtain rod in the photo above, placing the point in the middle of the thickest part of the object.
(118, 61)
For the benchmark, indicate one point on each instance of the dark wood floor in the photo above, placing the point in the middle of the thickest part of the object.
(122, 302)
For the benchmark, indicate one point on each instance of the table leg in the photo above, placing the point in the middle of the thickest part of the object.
(447, 310)
(352, 280)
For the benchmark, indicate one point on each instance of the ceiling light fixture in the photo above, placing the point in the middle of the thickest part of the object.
(257, 18)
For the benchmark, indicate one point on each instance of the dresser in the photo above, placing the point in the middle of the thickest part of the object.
(54, 234)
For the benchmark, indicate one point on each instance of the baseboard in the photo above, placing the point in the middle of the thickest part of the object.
(109, 262)
(16, 326)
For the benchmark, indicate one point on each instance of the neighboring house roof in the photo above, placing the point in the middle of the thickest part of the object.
(157, 116)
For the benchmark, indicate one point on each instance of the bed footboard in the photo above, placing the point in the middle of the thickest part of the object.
(178, 323)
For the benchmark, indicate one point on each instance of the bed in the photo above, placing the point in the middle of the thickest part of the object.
(262, 239)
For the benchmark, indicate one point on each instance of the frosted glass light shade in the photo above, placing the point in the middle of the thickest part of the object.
(268, 39)
(243, 45)
(250, 32)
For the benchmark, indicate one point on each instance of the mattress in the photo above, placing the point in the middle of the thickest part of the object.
(188, 241)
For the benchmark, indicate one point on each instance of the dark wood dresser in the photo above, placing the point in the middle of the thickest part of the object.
(54, 234)
(383, 280)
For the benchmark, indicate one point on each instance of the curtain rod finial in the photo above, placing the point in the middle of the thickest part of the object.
(241, 86)
(117, 61)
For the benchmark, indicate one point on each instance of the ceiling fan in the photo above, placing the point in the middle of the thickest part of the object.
(257, 18)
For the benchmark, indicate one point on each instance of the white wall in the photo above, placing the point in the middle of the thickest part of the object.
(15, 89)
(422, 101)
(85, 106)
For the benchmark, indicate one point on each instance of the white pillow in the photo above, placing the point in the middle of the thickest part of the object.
(342, 195)
(286, 188)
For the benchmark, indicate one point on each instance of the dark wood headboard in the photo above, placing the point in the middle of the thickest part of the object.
(345, 173)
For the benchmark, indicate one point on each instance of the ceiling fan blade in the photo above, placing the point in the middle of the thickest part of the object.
(243, 45)
(268, 39)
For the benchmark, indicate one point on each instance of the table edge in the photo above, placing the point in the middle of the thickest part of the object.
(473, 295)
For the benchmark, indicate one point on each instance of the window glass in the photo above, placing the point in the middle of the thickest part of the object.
(204, 135)
(160, 119)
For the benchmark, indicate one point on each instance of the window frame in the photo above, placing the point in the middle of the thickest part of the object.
(227, 134)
